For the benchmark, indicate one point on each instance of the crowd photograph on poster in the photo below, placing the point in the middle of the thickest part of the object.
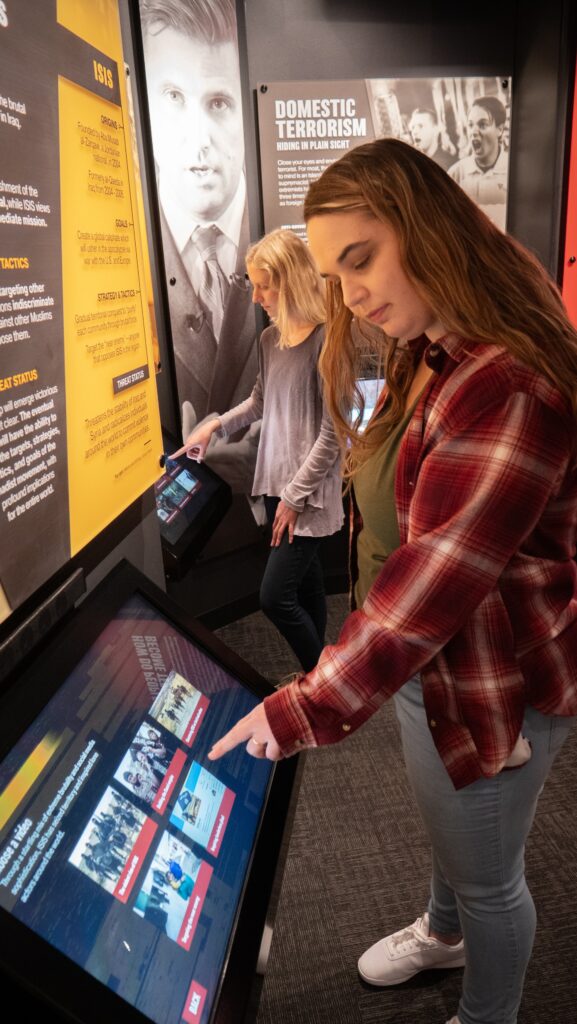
(461, 123)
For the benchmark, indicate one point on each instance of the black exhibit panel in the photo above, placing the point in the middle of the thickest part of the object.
(134, 872)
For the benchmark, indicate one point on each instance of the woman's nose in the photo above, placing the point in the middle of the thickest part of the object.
(353, 293)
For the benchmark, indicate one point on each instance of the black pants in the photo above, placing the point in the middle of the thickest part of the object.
(292, 593)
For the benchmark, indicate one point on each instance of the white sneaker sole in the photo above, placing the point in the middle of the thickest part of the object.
(402, 978)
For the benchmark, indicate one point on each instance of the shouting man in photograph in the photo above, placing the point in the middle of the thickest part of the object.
(483, 174)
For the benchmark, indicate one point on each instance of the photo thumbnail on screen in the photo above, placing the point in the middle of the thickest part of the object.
(180, 707)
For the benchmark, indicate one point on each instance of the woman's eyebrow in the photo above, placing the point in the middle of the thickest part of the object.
(349, 248)
(346, 252)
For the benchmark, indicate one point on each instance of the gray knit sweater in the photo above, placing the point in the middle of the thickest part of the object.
(298, 454)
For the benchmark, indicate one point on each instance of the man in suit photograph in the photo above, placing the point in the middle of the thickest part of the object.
(195, 104)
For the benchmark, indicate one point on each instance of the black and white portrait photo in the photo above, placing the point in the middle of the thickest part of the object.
(195, 103)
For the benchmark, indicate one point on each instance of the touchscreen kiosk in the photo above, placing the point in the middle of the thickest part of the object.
(131, 866)
(191, 500)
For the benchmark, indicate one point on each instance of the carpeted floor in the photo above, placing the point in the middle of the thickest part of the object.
(357, 868)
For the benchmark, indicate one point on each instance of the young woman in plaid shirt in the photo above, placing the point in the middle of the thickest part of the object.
(465, 584)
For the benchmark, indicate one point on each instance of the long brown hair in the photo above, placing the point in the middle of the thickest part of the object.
(479, 282)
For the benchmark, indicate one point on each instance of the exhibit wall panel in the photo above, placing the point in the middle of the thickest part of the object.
(79, 425)
(192, 71)
(196, 127)
(307, 40)
(305, 126)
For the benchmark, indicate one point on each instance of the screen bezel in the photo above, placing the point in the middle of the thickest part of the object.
(68, 988)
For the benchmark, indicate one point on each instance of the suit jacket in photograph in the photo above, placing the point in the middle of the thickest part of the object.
(211, 377)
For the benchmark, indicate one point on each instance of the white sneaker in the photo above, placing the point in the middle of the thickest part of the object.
(398, 957)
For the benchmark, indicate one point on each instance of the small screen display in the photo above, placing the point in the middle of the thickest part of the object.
(186, 494)
(174, 492)
(121, 844)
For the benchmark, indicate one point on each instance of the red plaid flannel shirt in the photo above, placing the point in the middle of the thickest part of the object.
(481, 597)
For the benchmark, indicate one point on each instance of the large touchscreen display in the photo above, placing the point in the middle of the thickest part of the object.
(120, 843)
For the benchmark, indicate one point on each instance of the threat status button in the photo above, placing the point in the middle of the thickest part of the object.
(130, 379)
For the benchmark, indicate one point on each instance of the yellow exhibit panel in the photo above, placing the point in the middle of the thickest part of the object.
(80, 436)
(113, 426)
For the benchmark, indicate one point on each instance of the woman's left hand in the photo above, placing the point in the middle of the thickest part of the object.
(253, 727)
(285, 519)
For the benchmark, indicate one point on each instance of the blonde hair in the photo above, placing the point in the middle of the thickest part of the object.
(292, 271)
(478, 282)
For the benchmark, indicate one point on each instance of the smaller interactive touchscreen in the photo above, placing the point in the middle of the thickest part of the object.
(174, 494)
(121, 844)
(191, 500)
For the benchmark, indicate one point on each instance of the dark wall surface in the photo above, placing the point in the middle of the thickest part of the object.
(532, 42)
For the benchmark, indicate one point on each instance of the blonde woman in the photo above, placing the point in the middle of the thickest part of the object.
(298, 465)
(465, 483)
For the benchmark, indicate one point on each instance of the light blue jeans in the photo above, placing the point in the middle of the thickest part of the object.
(478, 838)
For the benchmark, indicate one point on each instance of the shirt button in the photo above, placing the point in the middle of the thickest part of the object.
(346, 727)
(433, 723)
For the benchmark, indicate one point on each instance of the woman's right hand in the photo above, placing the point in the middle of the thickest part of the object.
(197, 442)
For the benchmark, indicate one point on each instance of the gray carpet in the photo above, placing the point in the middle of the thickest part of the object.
(357, 868)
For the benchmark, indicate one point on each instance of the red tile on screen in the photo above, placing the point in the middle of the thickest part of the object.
(195, 1000)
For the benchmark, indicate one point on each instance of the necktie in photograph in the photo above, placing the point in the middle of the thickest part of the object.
(214, 284)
